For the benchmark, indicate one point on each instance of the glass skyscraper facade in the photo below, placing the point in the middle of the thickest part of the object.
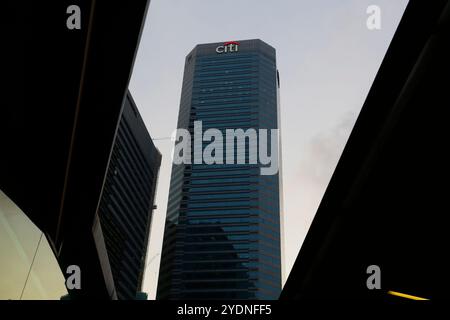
(126, 206)
(222, 236)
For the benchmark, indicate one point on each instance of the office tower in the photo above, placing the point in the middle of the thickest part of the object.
(127, 202)
(223, 231)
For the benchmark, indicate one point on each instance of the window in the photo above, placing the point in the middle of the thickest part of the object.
(21, 277)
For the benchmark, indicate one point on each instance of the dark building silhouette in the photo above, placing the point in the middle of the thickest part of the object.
(222, 236)
(387, 201)
(127, 201)
(66, 92)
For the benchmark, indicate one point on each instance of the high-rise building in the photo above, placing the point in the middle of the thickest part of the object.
(125, 211)
(223, 227)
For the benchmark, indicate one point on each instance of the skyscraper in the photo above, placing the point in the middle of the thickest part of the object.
(125, 211)
(222, 236)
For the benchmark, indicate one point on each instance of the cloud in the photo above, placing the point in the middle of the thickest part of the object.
(305, 189)
(323, 152)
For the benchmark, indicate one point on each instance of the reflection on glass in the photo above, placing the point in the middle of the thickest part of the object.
(20, 242)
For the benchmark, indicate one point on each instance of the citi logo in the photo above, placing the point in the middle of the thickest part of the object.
(230, 46)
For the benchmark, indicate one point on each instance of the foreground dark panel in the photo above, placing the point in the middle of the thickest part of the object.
(386, 204)
(65, 96)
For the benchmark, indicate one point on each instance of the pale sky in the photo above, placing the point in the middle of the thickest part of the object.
(327, 59)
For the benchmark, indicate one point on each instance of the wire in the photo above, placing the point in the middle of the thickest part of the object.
(163, 138)
(151, 259)
(31, 266)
